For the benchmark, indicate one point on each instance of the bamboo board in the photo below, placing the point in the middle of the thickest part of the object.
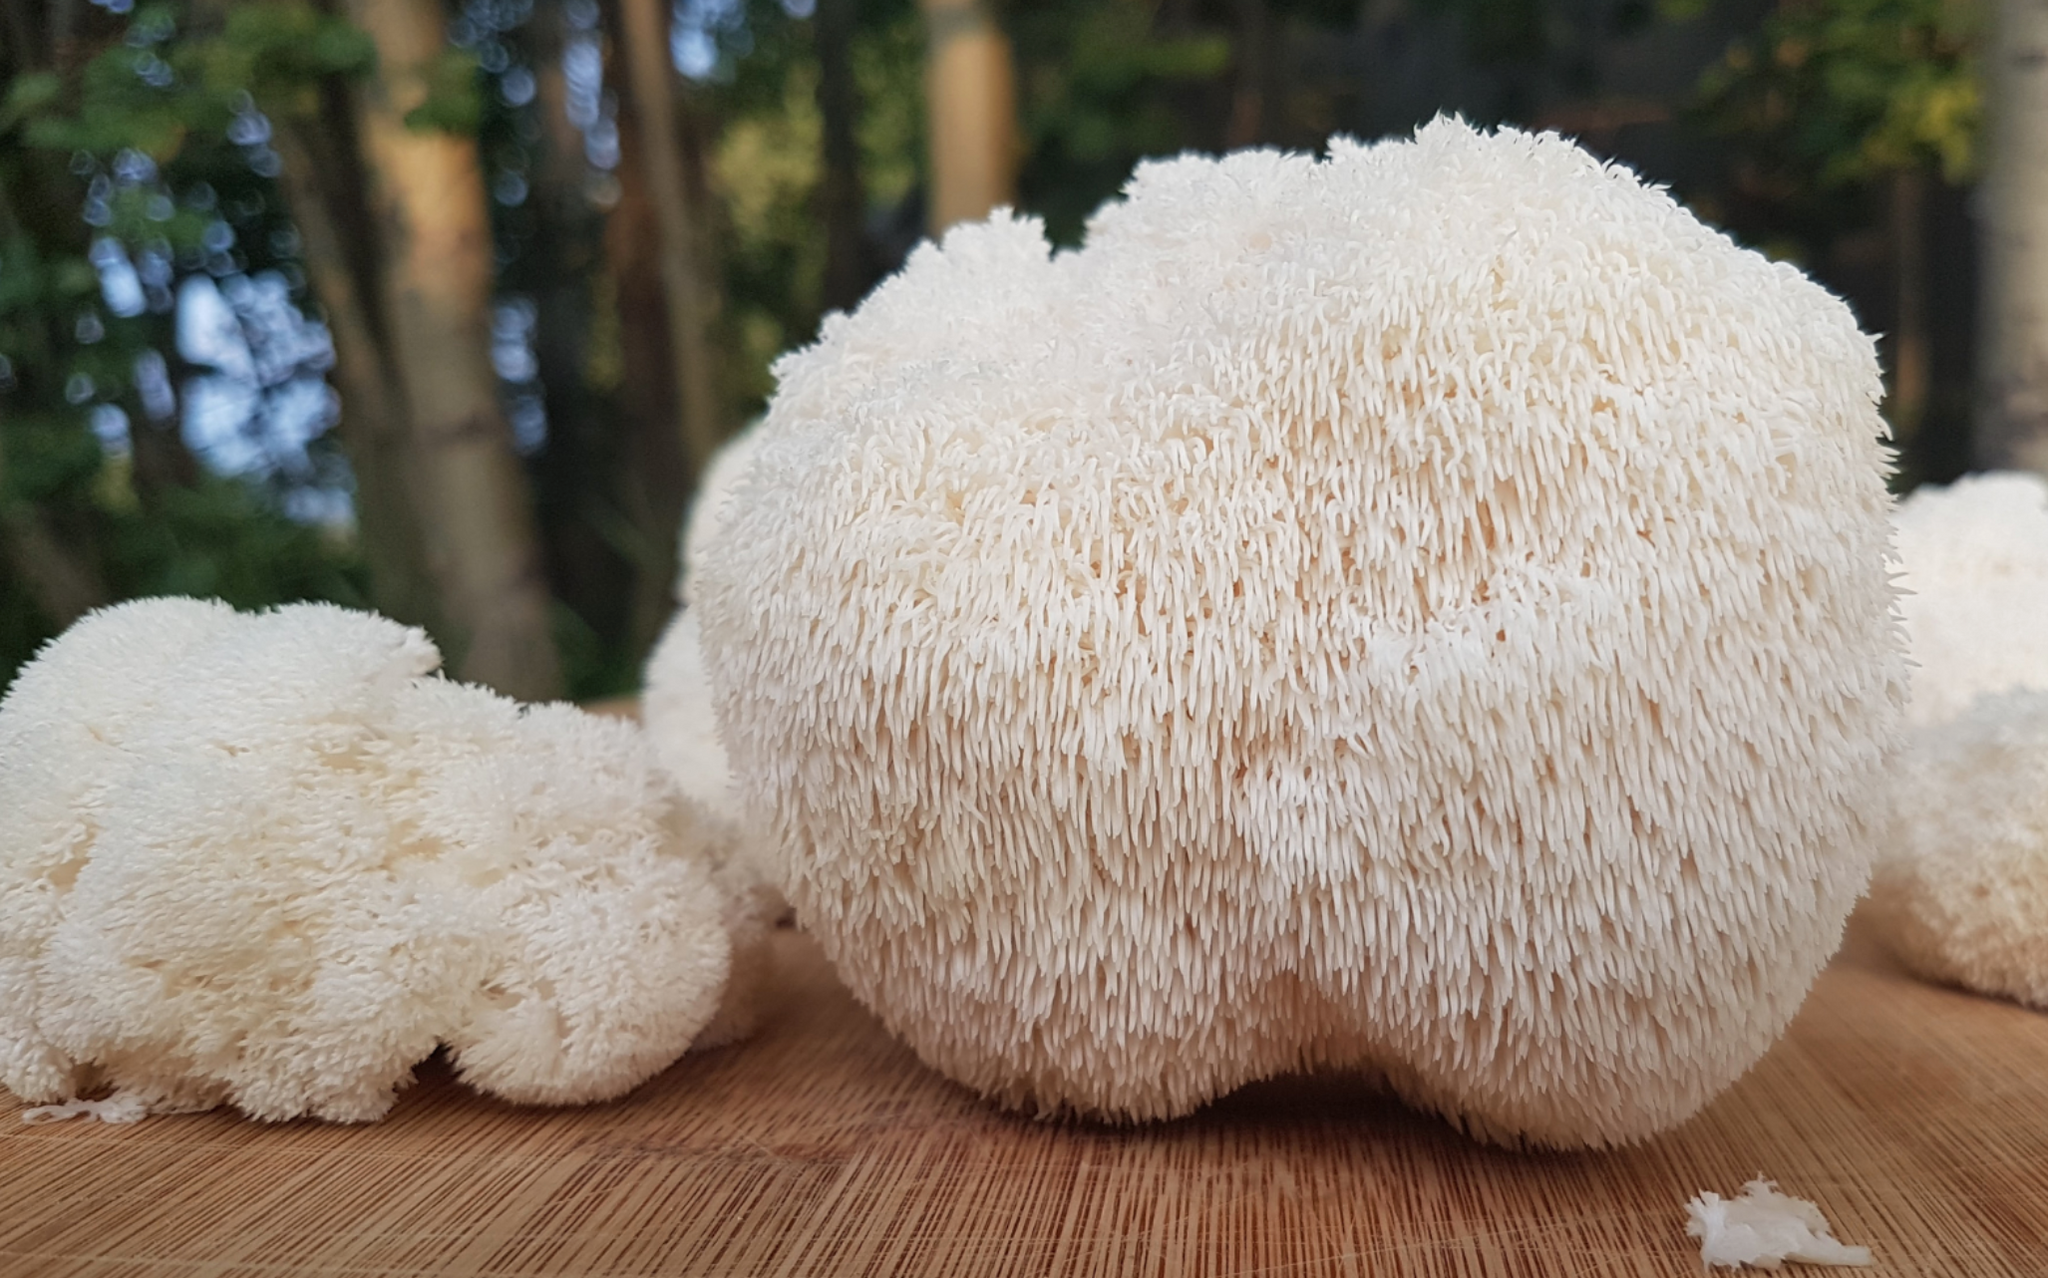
(1916, 1116)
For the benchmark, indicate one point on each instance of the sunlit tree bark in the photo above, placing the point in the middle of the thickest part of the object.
(971, 101)
(2012, 409)
(322, 181)
(425, 195)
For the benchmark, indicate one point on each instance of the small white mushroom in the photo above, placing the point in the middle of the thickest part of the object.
(272, 861)
(1973, 561)
(1961, 889)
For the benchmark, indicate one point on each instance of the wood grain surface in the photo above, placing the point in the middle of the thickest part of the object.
(1916, 1116)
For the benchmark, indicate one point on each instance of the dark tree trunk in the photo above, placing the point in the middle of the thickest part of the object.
(577, 474)
(842, 205)
(322, 181)
(1249, 123)
(656, 475)
(691, 295)
(1910, 376)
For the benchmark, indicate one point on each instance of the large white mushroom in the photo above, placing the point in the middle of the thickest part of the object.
(272, 861)
(1423, 611)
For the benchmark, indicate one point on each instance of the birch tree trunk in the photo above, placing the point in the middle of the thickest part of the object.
(425, 196)
(2012, 377)
(971, 102)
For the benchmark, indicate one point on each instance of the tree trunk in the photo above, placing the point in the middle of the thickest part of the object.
(60, 575)
(971, 104)
(1909, 325)
(2012, 375)
(842, 205)
(657, 475)
(64, 585)
(576, 475)
(322, 182)
(692, 298)
(1254, 72)
(425, 195)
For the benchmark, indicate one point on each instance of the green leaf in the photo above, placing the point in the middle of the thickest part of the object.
(29, 94)
(455, 98)
(340, 48)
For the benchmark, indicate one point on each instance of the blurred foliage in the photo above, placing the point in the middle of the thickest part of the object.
(1837, 118)
(454, 100)
(766, 169)
(144, 147)
(1100, 87)
(1833, 92)
(126, 165)
(156, 86)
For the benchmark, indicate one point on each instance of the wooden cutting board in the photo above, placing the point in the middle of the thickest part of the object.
(1917, 1117)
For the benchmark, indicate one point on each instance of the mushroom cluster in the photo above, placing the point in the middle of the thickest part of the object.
(1961, 888)
(271, 860)
(1974, 565)
(1422, 611)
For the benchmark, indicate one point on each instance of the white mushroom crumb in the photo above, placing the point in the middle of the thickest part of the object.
(1764, 1229)
(1424, 610)
(121, 1108)
(271, 861)
(1961, 889)
(1973, 559)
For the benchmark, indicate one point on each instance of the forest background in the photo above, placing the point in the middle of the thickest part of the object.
(441, 308)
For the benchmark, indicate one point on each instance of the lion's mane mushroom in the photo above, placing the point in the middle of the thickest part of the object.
(1961, 888)
(1974, 561)
(268, 860)
(676, 703)
(1423, 611)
